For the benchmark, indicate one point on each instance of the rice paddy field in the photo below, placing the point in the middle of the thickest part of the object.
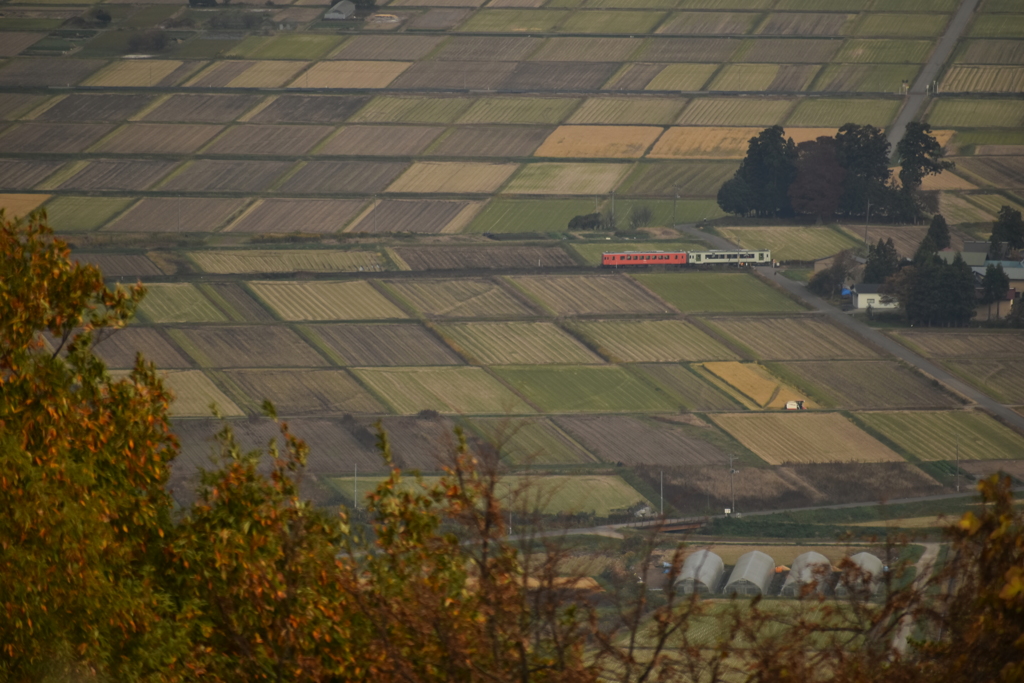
(367, 220)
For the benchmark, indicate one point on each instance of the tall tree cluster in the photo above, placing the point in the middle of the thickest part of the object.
(104, 580)
(846, 175)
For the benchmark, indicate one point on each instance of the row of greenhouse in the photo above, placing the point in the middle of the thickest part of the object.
(754, 572)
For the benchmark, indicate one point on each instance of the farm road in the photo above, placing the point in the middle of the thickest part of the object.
(918, 94)
(1011, 418)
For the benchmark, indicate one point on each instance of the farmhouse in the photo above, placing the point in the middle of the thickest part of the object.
(752, 574)
(809, 568)
(342, 11)
(702, 573)
(865, 295)
(868, 580)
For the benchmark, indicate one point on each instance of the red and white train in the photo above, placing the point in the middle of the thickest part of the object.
(632, 259)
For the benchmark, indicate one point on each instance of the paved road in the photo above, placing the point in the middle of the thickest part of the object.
(918, 95)
(880, 340)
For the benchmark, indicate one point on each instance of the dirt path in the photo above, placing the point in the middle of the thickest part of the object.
(918, 95)
(925, 565)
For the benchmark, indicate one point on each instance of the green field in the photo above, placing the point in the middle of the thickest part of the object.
(964, 113)
(899, 25)
(998, 26)
(511, 20)
(1001, 379)
(451, 390)
(294, 46)
(526, 441)
(516, 343)
(717, 292)
(178, 303)
(791, 243)
(551, 494)
(834, 113)
(884, 51)
(82, 214)
(529, 215)
(653, 341)
(933, 436)
(586, 389)
(619, 22)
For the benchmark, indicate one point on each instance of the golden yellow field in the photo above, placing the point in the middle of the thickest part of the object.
(802, 437)
(453, 177)
(21, 204)
(684, 142)
(943, 181)
(193, 394)
(757, 383)
(609, 142)
(342, 74)
(135, 73)
(267, 74)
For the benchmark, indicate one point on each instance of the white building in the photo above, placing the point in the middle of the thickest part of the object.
(865, 295)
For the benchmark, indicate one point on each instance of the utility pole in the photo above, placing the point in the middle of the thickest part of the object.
(374, 214)
(674, 201)
(663, 494)
(732, 489)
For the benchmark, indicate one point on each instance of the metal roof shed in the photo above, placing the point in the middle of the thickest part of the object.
(869, 581)
(752, 574)
(808, 568)
(702, 572)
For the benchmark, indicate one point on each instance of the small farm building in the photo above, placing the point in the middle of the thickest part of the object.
(808, 568)
(702, 573)
(869, 579)
(343, 10)
(752, 574)
(865, 295)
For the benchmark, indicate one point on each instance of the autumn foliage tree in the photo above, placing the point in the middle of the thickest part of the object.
(818, 185)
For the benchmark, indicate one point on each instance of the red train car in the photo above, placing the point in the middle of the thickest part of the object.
(644, 258)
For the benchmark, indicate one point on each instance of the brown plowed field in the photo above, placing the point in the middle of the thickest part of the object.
(591, 294)
(14, 105)
(42, 72)
(790, 50)
(110, 174)
(176, 214)
(401, 48)
(306, 393)
(220, 74)
(385, 344)
(1001, 172)
(572, 49)
(870, 384)
(349, 177)
(492, 141)
(424, 445)
(120, 348)
(215, 175)
(488, 48)
(276, 140)
(454, 75)
(297, 215)
(517, 343)
(381, 141)
(683, 50)
(634, 77)
(88, 107)
(439, 19)
(696, 394)
(796, 338)
(16, 42)
(251, 346)
(121, 265)
(239, 302)
(202, 108)
(475, 258)
(19, 174)
(636, 441)
(397, 215)
(956, 344)
(159, 138)
(462, 298)
(66, 138)
(560, 76)
(991, 51)
(310, 109)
